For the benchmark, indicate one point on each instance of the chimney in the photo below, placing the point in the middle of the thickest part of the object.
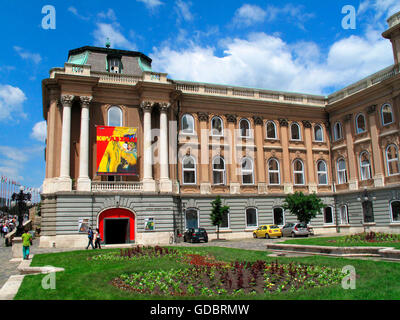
(393, 34)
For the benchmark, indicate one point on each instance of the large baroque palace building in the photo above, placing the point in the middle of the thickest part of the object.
(193, 141)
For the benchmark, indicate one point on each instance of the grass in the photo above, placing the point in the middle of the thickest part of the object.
(84, 279)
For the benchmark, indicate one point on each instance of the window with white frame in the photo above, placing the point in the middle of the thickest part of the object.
(244, 126)
(344, 215)
(386, 114)
(322, 172)
(318, 133)
(328, 215)
(392, 160)
(279, 216)
(298, 172)
(251, 218)
(337, 131)
(189, 170)
(187, 124)
(365, 166)
(274, 172)
(361, 125)
(114, 117)
(395, 210)
(341, 171)
(271, 130)
(247, 171)
(295, 131)
(217, 126)
(218, 171)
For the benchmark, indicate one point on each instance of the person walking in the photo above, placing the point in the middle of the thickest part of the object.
(5, 229)
(97, 239)
(90, 237)
(26, 243)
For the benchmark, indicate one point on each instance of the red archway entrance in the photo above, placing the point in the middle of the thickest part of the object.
(117, 225)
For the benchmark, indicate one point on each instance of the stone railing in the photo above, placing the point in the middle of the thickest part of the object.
(393, 20)
(105, 186)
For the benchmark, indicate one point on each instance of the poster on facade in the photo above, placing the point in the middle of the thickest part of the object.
(149, 224)
(83, 225)
(116, 150)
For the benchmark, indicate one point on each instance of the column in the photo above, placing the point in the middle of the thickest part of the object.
(64, 181)
(165, 182)
(259, 141)
(84, 182)
(205, 185)
(148, 181)
(352, 164)
(311, 181)
(286, 169)
(234, 172)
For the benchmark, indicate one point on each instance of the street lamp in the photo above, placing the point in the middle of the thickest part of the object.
(21, 200)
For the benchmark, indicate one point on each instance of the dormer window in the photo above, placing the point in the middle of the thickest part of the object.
(114, 64)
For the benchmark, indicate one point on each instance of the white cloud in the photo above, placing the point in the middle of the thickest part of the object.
(111, 31)
(294, 13)
(39, 131)
(11, 100)
(248, 15)
(24, 54)
(75, 12)
(110, 14)
(183, 10)
(151, 4)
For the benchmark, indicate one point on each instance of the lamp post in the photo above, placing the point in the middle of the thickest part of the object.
(21, 200)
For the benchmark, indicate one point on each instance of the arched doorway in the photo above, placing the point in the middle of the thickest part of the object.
(117, 225)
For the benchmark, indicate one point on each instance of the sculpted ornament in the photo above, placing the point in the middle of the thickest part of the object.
(66, 100)
(306, 124)
(146, 106)
(283, 122)
(86, 100)
(231, 118)
(202, 116)
(258, 120)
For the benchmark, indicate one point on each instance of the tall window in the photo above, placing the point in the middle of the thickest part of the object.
(218, 170)
(279, 217)
(337, 131)
(188, 124)
(395, 210)
(328, 215)
(273, 172)
(298, 172)
(295, 131)
(114, 64)
(271, 130)
(344, 216)
(191, 218)
(318, 133)
(247, 171)
(251, 218)
(368, 211)
(189, 170)
(386, 114)
(244, 126)
(365, 166)
(114, 117)
(392, 159)
(322, 172)
(225, 220)
(360, 123)
(217, 126)
(341, 171)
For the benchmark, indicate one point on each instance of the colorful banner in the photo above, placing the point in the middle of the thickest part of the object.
(116, 150)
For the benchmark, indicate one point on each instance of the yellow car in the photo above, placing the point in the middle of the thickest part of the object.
(267, 231)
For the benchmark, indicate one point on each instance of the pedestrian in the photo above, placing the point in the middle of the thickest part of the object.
(97, 239)
(5, 230)
(26, 243)
(90, 237)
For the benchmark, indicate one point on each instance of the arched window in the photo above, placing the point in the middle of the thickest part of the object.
(341, 171)
(344, 216)
(251, 218)
(322, 172)
(279, 216)
(318, 133)
(392, 160)
(271, 130)
(114, 117)
(386, 114)
(361, 125)
(273, 172)
(328, 215)
(217, 126)
(188, 124)
(191, 218)
(244, 126)
(337, 131)
(365, 166)
(218, 170)
(189, 170)
(298, 172)
(395, 210)
(295, 131)
(247, 171)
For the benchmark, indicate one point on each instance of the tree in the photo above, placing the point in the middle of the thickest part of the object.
(304, 207)
(217, 213)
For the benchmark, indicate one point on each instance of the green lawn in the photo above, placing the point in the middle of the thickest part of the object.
(84, 279)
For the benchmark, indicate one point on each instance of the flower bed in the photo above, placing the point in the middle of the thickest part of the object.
(369, 237)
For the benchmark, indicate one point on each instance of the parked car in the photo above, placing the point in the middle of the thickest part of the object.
(310, 230)
(195, 235)
(294, 230)
(267, 231)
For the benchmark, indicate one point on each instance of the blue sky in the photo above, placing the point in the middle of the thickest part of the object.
(297, 46)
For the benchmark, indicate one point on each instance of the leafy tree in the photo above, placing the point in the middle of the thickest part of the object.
(217, 213)
(304, 207)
